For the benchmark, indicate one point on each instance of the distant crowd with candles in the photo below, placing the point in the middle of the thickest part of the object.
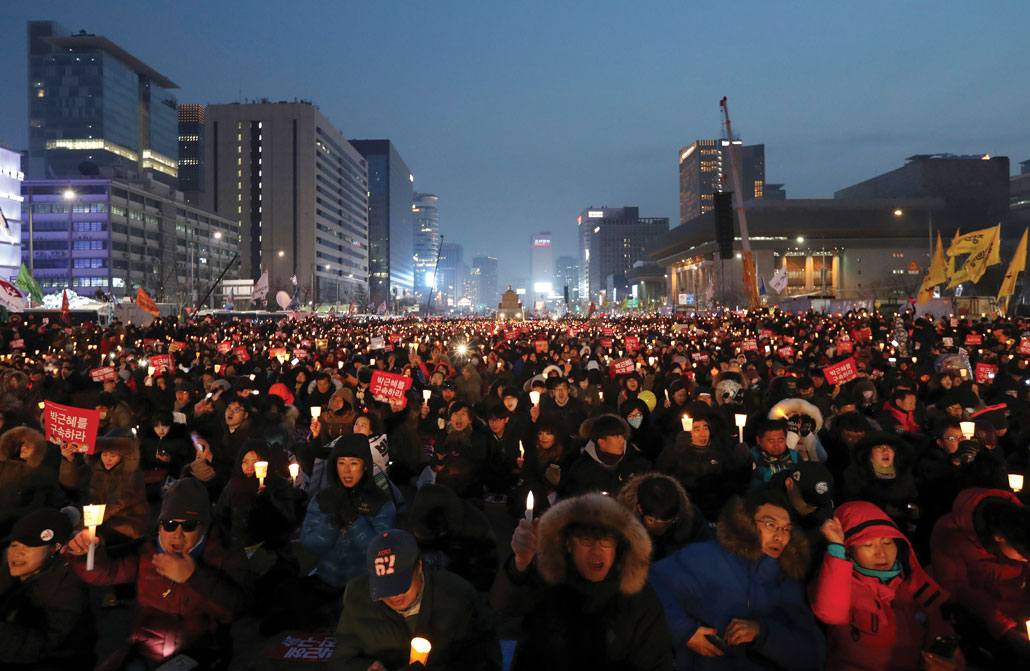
(741, 490)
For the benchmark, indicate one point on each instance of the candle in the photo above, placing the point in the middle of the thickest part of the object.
(741, 420)
(261, 470)
(967, 429)
(371, 362)
(218, 367)
(426, 393)
(522, 453)
(294, 472)
(339, 364)
(252, 376)
(688, 422)
(666, 394)
(600, 395)
(420, 648)
(1015, 482)
(529, 506)
(534, 396)
(92, 517)
(316, 411)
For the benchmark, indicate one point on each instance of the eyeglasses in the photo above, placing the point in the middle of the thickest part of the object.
(608, 541)
(951, 439)
(171, 525)
(774, 528)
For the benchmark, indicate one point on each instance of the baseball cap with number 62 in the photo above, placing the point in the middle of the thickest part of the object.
(391, 559)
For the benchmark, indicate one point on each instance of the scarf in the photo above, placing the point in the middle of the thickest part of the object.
(884, 576)
(884, 473)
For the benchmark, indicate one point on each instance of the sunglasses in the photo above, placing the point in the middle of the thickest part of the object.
(171, 525)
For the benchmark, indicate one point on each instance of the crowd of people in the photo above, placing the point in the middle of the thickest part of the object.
(742, 490)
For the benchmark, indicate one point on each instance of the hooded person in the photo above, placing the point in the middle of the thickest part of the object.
(45, 619)
(662, 505)
(189, 587)
(343, 518)
(980, 552)
(643, 432)
(401, 596)
(578, 576)
(607, 460)
(111, 476)
(27, 480)
(881, 473)
(804, 422)
(881, 609)
(738, 602)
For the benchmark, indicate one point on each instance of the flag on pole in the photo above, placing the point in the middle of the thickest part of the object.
(382, 308)
(1016, 266)
(761, 286)
(5, 229)
(779, 280)
(260, 291)
(293, 278)
(984, 254)
(937, 274)
(11, 298)
(146, 303)
(28, 284)
(65, 309)
(232, 299)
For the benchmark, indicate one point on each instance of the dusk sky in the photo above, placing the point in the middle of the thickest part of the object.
(521, 114)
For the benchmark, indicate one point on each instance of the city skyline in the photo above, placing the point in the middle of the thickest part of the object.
(833, 106)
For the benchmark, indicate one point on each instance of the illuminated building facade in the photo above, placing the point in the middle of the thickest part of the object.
(705, 170)
(611, 240)
(427, 240)
(541, 267)
(191, 150)
(93, 105)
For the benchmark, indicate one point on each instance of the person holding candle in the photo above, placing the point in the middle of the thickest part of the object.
(881, 609)
(881, 473)
(980, 553)
(400, 597)
(608, 460)
(461, 453)
(28, 475)
(544, 468)
(45, 619)
(189, 586)
(578, 578)
(503, 449)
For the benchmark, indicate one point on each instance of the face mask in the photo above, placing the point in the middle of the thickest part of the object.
(635, 422)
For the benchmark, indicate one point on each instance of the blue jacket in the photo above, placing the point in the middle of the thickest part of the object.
(341, 552)
(764, 471)
(708, 584)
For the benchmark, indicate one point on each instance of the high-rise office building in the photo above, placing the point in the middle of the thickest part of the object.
(483, 273)
(611, 240)
(93, 105)
(427, 240)
(541, 266)
(11, 178)
(391, 231)
(450, 282)
(566, 274)
(191, 151)
(705, 170)
(300, 193)
(118, 235)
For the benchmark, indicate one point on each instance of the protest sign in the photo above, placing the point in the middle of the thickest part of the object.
(841, 372)
(623, 366)
(162, 361)
(102, 374)
(304, 647)
(390, 385)
(974, 339)
(985, 372)
(77, 426)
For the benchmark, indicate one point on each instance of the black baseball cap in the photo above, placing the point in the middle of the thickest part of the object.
(391, 559)
(41, 527)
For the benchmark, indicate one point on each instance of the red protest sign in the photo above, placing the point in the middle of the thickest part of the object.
(985, 372)
(632, 343)
(395, 337)
(974, 339)
(241, 353)
(699, 356)
(623, 366)
(159, 361)
(573, 333)
(606, 343)
(276, 352)
(305, 647)
(785, 352)
(18, 344)
(845, 347)
(608, 331)
(842, 372)
(102, 374)
(1024, 346)
(390, 385)
(749, 345)
(77, 426)
(765, 333)
(224, 347)
(177, 346)
(300, 353)
(541, 346)
(511, 335)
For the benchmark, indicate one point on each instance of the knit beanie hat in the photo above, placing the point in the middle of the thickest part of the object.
(187, 500)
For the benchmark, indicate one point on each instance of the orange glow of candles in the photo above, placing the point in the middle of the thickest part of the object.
(420, 648)
(529, 506)
(294, 472)
(688, 423)
(316, 411)
(261, 471)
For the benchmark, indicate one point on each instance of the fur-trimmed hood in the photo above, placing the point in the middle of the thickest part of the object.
(628, 494)
(737, 534)
(793, 406)
(35, 446)
(631, 564)
(125, 447)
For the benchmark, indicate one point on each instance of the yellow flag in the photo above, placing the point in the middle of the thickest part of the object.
(949, 267)
(1016, 266)
(936, 275)
(979, 259)
(971, 242)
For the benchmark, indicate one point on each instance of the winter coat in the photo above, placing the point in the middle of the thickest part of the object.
(45, 621)
(25, 483)
(573, 624)
(176, 444)
(707, 473)
(992, 587)
(121, 489)
(469, 387)
(588, 474)
(690, 525)
(872, 625)
(452, 534)
(892, 495)
(460, 461)
(708, 584)
(451, 616)
(804, 421)
(176, 617)
(341, 522)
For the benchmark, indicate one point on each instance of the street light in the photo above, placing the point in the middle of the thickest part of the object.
(898, 213)
(282, 253)
(218, 236)
(801, 239)
(68, 194)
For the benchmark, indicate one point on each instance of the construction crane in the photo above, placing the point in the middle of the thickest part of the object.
(750, 277)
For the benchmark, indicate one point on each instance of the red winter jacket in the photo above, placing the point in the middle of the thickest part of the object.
(992, 587)
(872, 625)
(906, 420)
(173, 617)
